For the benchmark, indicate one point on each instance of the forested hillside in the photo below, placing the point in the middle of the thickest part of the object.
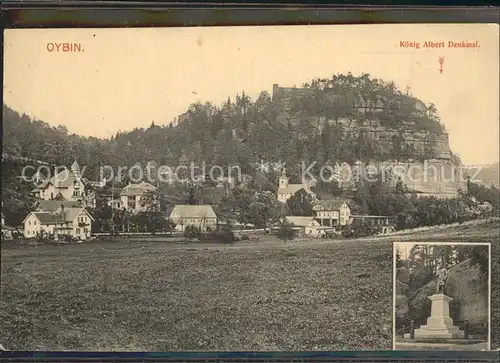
(242, 131)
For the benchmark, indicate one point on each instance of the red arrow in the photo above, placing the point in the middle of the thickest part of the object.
(441, 61)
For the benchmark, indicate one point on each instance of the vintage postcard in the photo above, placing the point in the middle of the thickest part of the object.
(442, 296)
(240, 189)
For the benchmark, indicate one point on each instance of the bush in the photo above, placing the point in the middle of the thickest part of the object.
(245, 237)
(360, 232)
(17, 235)
(219, 236)
(192, 232)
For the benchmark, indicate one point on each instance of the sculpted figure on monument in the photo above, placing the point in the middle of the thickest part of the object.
(442, 275)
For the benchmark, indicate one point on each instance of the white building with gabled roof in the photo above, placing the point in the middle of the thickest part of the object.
(75, 222)
(333, 213)
(307, 226)
(131, 197)
(201, 216)
(65, 185)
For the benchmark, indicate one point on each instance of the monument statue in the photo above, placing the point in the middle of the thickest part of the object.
(442, 275)
(439, 323)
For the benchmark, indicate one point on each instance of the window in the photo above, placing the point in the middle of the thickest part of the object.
(86, 231)
(78, 231)
(29, 222)
(34, 222)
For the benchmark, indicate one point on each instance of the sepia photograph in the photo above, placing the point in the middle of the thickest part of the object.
(442, 296)
(242, 188)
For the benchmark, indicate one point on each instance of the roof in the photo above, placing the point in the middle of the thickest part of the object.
(72, 213)
(292, 189)
(299, 221)
(59, 197)
(53, 205)
(47, 218)
(63, 179)
(330, 204)
(194, 211)
(137, 189)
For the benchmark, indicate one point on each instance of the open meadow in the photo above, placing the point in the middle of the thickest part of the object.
(157, 296)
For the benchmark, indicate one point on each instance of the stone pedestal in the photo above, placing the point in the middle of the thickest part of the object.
(439, 324)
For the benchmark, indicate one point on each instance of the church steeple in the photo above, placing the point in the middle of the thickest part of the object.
(75, 166)
(76, 177)
(283, 183)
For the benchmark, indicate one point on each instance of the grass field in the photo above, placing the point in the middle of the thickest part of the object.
(305, 295)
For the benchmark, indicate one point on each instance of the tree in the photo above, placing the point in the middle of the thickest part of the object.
(300, 204)
(168, 225)
(227, 209)
(192, 231)
(285, 231)
(264, 209)
(191, 196)
(151, 201)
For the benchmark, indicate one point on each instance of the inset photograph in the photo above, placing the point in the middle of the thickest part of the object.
(442, 296)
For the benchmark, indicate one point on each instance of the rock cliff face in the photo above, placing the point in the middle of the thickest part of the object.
(408, 132)
(469, 287)
(437, 176)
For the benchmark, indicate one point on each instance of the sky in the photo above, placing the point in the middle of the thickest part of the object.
(404, 248)
(127, 78)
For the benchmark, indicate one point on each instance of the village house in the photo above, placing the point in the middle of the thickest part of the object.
(73, 222)
(201, 216)
(307, 226)
(383, 224)
(131, 196)
(286, 190)
(332, 213)
(65, 185)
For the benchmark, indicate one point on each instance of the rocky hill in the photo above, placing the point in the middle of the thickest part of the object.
(342, 119)
(486, 174)
(385, 117)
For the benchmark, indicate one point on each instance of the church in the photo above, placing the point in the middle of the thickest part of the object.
(286, 190)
